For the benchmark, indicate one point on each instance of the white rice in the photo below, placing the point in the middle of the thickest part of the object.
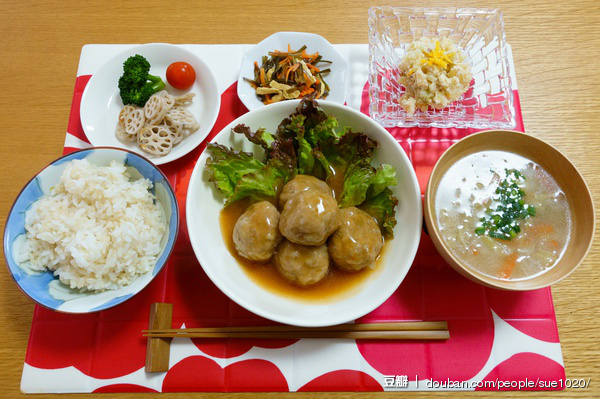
(97, 230)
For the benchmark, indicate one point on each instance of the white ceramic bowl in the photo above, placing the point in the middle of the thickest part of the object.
(204, 204)
(337, 79)
(101, 102)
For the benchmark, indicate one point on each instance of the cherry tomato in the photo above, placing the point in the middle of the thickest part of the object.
(181, 75)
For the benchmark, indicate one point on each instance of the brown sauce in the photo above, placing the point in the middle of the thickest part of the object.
(336, 285)
(336, 182)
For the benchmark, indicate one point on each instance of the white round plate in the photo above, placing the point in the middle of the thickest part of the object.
(204, 204)
(101, 102)
(337, 79)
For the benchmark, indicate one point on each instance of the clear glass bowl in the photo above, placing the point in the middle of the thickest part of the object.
(487, 104)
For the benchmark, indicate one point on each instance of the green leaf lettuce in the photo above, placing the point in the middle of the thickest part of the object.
(382, 208)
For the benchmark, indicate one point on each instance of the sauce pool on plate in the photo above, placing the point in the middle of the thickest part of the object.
(335, 285)
(503, 215)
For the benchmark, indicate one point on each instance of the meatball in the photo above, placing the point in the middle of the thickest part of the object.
(302, 183)
(301, 264)
(309, 218)
(256, 234)
(357, 243)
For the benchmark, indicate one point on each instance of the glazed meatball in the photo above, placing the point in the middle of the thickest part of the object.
(301, 264)
(256, 234)
(309, 218)
(302, 183)
(357, 243)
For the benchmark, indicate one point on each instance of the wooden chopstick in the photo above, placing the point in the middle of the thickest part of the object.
(418, 330)
(387, 335)
(398, 326)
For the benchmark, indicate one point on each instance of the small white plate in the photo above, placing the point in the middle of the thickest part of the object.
(337, 79)
(101, 102)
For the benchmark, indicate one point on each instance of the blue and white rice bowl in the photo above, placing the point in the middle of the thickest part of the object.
(45, 288)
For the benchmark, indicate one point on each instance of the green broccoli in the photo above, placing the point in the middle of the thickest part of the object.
(136, 85)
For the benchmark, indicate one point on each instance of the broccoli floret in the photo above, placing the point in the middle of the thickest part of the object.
(136, 68)
(136, 85)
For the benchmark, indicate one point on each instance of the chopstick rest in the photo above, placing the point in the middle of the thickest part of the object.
(158, 348)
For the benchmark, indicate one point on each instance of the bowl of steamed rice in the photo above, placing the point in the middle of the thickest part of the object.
(91, 230)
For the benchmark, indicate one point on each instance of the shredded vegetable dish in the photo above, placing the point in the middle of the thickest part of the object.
(289, 75)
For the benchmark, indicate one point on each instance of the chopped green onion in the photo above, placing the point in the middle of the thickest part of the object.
(501, 222)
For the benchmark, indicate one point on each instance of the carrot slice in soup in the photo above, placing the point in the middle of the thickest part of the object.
(542, 228)
(508, 266)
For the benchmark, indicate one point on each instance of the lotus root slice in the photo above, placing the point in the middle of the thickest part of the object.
(175, 129)
(155, 140)
(155, 110)
(134, 121)
(181, 116)
(186, 99)
(123, 135)
(169, 99)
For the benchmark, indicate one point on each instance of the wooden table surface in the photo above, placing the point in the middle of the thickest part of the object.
(556, 48)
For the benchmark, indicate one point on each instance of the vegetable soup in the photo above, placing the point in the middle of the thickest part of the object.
(503, 215)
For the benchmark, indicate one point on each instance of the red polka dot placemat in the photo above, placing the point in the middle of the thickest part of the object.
(499, 339)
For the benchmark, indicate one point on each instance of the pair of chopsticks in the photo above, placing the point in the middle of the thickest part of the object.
(160, 333)
(413, 330)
